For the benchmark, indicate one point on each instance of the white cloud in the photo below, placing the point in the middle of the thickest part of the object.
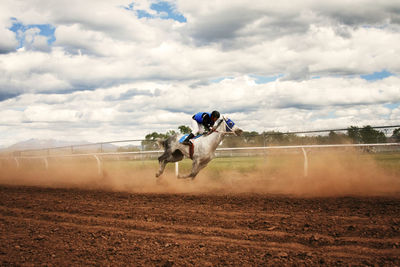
(45, 113)
(110, 72)
(8, 41)
(395, 115)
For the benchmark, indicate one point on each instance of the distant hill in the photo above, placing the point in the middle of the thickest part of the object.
(42, 143)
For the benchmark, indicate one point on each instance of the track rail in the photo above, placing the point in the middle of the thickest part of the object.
(98, 156)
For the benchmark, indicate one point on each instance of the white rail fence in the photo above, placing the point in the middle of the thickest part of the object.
(100, 155)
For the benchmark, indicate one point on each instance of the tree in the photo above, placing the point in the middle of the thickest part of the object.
(396, 135)
(184, 129)
(357, 135)
(154, 136)
(369, 135)
(333, 137)
(149, 142)
(337, 138)
(274, 138)
(170, 133)
(252, 138)
(354, 133)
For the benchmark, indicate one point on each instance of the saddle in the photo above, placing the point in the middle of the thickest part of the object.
(191, 147)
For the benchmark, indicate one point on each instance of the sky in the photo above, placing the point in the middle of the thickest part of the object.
(98, 70)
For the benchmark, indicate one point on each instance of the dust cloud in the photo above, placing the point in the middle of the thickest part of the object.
(329, 174)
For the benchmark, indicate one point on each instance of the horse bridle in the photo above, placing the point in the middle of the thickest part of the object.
(214, 129)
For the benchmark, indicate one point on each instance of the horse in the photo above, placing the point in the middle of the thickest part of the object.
(203, 148)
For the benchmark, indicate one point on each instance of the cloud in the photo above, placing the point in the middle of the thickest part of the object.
(8, 43)
(126, 68)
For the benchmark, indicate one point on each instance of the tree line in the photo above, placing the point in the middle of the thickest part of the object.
(353, 135)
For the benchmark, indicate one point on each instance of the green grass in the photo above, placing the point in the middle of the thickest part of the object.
(271, 164)
(388, 161)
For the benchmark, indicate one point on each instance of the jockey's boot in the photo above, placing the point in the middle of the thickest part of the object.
(187, 140)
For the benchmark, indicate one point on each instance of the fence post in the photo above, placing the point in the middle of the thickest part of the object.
(16, 162)
(176, 169)
(305, 162)
(99, 169)
(46, 163)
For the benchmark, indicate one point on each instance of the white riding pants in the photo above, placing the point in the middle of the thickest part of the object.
(197, 128)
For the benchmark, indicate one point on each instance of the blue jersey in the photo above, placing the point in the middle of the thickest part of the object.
(199, 117)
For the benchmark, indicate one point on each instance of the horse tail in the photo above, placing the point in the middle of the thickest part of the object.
(162, 143)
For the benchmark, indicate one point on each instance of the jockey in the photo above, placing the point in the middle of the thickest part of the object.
(201, 121)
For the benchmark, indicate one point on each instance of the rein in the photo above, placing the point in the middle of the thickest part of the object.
(214, 129)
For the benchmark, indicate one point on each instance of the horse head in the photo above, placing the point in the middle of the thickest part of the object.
(227, 126)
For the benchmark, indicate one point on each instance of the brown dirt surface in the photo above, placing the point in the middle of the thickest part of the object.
(40, 225)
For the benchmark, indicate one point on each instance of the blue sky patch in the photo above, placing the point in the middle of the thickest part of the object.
(220, 79)
(7, 95)
(168, 10)
(392, 105)
(164, 11)
(377, 75)
(265, 79)
(19, 28)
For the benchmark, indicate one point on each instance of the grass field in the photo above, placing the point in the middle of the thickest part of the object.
(389, 162)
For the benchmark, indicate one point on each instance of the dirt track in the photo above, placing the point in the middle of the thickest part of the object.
(90, 227)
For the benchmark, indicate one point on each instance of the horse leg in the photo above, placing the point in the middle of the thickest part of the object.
(166, 158)
(201, 165)
(196, 167)
(162, 167)
(162, 160)
(194, 172)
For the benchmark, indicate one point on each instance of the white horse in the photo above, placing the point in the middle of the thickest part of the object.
(203, 147)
